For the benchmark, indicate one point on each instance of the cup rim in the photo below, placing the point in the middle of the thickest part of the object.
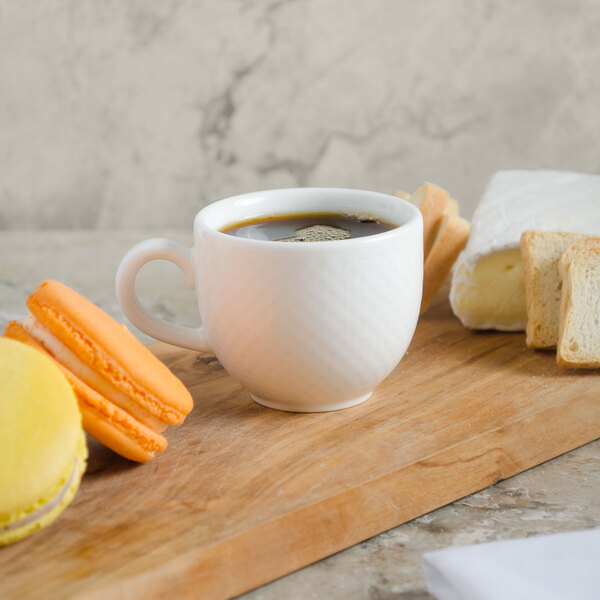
(200, 218)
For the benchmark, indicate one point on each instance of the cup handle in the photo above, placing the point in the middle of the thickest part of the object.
(133, 261)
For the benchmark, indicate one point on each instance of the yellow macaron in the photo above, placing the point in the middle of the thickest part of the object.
(43, 452)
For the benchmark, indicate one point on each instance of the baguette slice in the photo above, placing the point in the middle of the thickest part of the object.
(579, 324)
(433, 203)
(449, 243)
(540, 253)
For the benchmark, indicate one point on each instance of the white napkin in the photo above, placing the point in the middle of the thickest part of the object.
(546, 567)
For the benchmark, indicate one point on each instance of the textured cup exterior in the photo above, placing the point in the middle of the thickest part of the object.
(310, 325)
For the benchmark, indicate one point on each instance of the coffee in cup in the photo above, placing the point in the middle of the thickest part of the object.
(316, 227)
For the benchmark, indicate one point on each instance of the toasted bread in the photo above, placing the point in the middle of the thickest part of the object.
(451, 239)
(579, 319)
(588, 241)
(444, 235)
(433, 203)
(540, 253)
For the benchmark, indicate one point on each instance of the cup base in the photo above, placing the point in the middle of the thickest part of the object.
(302, 408)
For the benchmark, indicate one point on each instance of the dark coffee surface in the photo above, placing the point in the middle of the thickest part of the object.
(316, 227)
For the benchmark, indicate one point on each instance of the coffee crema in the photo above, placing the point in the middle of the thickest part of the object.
(309, 227)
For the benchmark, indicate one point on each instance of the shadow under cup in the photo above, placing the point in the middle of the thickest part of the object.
(312, 326)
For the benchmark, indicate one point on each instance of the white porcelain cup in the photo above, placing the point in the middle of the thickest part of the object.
(306, 327)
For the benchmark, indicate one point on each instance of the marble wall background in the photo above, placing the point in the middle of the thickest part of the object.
(135, 113)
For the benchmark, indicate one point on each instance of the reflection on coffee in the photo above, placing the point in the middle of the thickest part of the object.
(313, 227)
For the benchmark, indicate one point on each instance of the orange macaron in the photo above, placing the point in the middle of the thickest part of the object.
(127, 397)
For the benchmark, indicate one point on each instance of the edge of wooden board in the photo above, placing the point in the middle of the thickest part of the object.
(234, 565)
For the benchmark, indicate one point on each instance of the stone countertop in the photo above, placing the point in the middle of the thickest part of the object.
(560, 495)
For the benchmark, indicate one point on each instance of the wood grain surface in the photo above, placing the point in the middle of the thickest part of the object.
(245, 494)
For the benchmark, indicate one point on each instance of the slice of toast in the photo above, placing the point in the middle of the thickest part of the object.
(451, 207)
(588, 241)
(451, 239)
(540, 253)
(444, 235)
(579, 322)
(433, 203)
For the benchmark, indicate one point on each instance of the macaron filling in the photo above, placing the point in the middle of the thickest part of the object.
(71, 361)
(49, 506)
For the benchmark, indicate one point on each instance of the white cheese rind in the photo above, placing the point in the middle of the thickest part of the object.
(514, 202)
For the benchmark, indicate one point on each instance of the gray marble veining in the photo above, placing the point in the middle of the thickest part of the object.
(135, 114)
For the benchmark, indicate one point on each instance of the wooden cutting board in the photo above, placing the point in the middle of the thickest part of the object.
(245, 494)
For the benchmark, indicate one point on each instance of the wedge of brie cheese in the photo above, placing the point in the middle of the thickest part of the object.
(487, 289)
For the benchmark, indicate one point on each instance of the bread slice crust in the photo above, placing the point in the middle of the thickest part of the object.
(453, 235)
(579, 321)
(433, 202)
(540, 253)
